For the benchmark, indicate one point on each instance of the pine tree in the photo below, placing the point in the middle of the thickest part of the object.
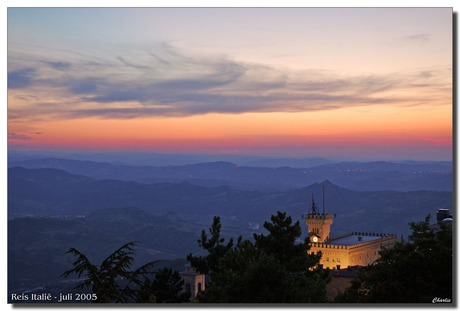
(273, 269)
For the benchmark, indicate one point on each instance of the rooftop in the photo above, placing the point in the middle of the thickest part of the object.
(189, 270)
(353, 238)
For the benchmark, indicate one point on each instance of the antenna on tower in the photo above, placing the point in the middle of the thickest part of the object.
(323, 198)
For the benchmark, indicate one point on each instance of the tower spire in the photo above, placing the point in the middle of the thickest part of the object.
(314, 208)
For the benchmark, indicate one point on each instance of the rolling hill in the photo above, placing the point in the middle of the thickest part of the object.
(48, 192)
(360, 176)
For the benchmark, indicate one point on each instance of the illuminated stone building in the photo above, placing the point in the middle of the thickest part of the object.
(342, 251)
(194, 282)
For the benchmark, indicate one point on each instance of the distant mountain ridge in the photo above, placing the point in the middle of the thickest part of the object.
(162, 159)
(361, 176)
(45, 192)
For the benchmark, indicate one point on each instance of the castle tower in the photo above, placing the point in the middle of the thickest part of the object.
(319, 225)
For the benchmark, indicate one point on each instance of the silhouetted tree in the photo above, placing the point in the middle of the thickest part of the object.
(271, 270)
(104, 280)
(215, 247)
(166, 287)
(280, 242)
(413, 272)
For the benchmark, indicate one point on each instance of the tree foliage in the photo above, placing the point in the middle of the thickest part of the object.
(272, 269)
(104, 279)
(281, 243)
(413, 272)
(166, 287)
(215, 247)
(113, 281)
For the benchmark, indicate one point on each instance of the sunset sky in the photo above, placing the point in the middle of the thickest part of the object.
(369, 83)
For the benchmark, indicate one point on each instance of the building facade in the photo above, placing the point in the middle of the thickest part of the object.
(350, 249)
(194, 282)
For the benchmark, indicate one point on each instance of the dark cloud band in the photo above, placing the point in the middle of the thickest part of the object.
(166, 82)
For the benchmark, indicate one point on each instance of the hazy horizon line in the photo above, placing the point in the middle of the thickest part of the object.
(114, 153)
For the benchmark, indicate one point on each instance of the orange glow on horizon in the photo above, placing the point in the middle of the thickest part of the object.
(383, 126)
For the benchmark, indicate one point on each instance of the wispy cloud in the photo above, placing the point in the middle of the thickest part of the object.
(21, 78)
(159, 59)
(168, 82)
(418, 38)
(59, 65)
(127, 63)
(439, 141)
(18, 136)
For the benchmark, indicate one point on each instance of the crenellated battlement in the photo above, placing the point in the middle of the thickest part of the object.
(318, 216)
(373, 234)
(379, 238)
(329, 246)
